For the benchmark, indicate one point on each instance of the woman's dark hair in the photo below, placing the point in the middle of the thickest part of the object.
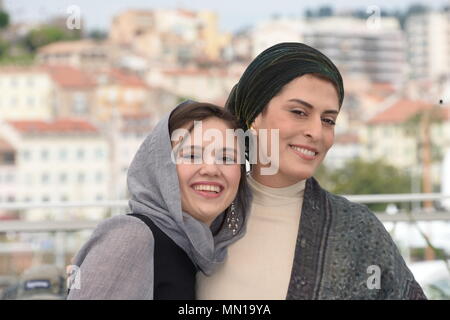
(271, 70)
(190, 111)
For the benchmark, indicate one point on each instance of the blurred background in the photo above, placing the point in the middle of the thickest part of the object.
(82, 83)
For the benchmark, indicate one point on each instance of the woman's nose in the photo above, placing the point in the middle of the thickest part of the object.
(313, 128)
(210, 169)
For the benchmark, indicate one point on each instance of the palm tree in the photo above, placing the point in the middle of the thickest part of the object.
(419, 126)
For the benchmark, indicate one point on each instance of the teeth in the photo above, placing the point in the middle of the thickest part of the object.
(204, 187)
(305, 151)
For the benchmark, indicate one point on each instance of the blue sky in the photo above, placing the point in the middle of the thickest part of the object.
(233, 13)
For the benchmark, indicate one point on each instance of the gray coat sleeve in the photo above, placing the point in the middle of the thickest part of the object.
(397, 281)
(116, 262)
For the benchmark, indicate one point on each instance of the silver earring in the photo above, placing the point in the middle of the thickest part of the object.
(233, 220)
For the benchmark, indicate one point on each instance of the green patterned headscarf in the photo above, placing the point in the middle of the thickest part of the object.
(270, 71)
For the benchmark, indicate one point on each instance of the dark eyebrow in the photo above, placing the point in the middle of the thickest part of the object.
(191, 147)
(310, 106)
(199, 148)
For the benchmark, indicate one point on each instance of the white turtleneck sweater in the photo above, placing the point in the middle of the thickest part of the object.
(258, 266)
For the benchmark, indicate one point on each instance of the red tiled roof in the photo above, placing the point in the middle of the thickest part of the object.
(126, 79)
(74, 46)
(21, 69)
(137, 122)
(383, 86)
(196, 72)
(137, 116)
(374, 97)
(187, 13)
(57, 126)
(70, 77)
(400, 111)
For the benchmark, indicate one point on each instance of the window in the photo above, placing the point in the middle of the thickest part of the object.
(99, 177)
(99, 153)
(28, 179)
(44, 154)
(9, 178)
(80, 154)
(79, 103)
(63, 154)
(26, 155)
(81, 177)
(63, 177)
(30, 101)
(9, 158)
(387, 132)
(14, 101)
(14, 82)
(45, 178)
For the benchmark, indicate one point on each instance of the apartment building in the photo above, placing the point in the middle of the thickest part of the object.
(171, 36)
(359, 49)
(83, 54)
(428, 39)
(74, 92)
(388, 136)
(54, 161)
(26, 93)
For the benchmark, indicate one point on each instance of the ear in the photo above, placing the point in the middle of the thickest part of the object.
(257, 122)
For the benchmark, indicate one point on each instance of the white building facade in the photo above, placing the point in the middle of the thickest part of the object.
(25, 93)
(56, 162)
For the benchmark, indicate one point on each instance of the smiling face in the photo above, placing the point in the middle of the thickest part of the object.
(305, 113)
(208, 187)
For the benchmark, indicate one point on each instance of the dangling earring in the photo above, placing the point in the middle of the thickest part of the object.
(233, 220)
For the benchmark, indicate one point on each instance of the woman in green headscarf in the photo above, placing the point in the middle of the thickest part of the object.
(302, 242)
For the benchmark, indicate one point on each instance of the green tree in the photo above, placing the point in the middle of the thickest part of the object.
(325, 11)
(365, 177)
(3, 48)
(45, 35)
(98, 35)
(4, 19)
(417, 8)
(309, 13)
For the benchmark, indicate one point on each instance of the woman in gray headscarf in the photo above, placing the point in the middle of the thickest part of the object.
(184, 214)
(302, 242)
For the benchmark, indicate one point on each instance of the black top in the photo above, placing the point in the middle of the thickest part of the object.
(174, 271)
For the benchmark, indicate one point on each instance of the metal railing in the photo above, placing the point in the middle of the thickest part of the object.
(75, 225)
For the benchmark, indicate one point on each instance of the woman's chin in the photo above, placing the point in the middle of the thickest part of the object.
(302, 175)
